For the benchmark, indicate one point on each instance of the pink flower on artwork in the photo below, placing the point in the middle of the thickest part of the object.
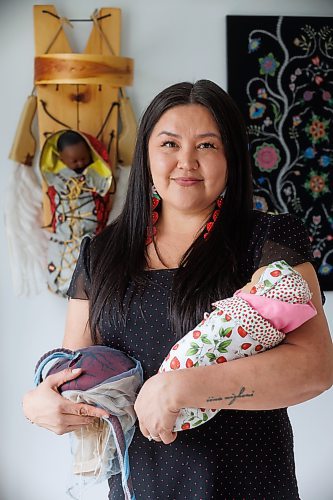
(307, 96)
(267, 157)
(317, 253)
(326, 95)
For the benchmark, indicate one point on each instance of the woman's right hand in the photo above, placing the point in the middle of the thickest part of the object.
(45, 406)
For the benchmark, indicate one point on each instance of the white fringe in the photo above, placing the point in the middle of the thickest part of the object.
(26, 240)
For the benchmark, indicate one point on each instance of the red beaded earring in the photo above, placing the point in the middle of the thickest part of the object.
(216, 212)
(151, 230)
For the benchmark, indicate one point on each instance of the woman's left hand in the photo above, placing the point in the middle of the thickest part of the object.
(155, 410)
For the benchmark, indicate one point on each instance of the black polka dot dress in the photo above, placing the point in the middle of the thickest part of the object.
(237, 455)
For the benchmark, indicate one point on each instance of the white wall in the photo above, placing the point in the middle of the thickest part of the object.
(170, 40)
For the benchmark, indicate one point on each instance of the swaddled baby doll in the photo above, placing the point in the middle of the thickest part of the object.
(77, 180)
(254, 319)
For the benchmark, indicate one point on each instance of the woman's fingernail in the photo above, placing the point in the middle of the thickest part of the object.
(75, 370)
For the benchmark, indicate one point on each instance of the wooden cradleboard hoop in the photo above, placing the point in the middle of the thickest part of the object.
(83, 69)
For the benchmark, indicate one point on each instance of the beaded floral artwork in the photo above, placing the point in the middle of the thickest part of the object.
(280, 73)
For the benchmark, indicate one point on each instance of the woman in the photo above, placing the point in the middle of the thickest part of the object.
(148, 279)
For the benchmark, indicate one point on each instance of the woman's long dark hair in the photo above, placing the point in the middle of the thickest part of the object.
(210, 267)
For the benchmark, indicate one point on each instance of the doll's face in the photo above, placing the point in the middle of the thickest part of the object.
(76, 156)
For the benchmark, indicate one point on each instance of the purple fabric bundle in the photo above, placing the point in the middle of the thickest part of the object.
(98, 363)
(110, 379)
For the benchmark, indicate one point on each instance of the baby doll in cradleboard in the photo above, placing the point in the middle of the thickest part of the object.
(254, 319)
(78, 181)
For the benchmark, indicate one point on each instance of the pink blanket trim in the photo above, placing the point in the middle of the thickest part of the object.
(282, 315)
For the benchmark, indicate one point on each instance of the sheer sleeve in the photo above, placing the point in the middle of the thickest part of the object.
(80, 284)
(286, 239)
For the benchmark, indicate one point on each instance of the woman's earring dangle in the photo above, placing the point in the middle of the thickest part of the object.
(155, 201)
(215, 214)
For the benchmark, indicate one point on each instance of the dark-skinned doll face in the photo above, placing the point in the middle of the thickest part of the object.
(76, 156)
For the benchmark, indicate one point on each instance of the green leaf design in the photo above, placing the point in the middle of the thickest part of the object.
(204, 417)
(194, 344)
(275, 109)
(222, 347)
(267, 283)
(205, 339)
(224, 332)
(210, 356)
(192, 350)
(198, 422)
(276, 112)
(221, 332)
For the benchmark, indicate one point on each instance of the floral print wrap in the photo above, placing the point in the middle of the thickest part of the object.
(243, 325)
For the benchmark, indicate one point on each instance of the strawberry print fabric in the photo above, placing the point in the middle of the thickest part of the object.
(241, 327)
